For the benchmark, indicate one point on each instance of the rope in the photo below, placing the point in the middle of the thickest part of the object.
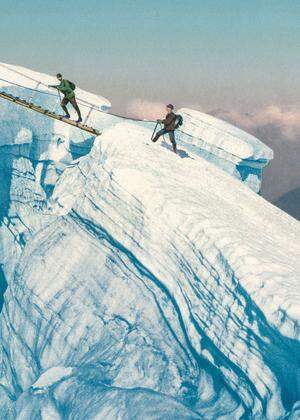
(33, 94)
(28, 88)
(92, 108)
(88, 115)
(81, 101)
(46, 112)
(99, 110)
(38, 82)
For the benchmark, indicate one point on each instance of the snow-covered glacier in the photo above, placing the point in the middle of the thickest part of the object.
(141, 284)
(230, 148)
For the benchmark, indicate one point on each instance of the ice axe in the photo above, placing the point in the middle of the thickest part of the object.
(155, 128)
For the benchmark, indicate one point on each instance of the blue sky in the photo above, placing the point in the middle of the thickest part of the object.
(215, 54)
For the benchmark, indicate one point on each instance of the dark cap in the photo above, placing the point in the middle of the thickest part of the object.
(170, 106)
(59, 75)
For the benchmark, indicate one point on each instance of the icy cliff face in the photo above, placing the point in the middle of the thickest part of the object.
(140, 284)
(232, 149)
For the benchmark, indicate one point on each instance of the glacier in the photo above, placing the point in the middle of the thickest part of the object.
(230, 148)
(141, 284)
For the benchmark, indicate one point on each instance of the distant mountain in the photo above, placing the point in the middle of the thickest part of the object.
(290, 203)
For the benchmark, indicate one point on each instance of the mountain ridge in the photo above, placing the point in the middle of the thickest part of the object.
(142, 277)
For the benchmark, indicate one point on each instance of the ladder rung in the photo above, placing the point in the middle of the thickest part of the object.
(47, 112)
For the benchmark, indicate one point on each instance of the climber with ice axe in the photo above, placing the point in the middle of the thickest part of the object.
(171, 123)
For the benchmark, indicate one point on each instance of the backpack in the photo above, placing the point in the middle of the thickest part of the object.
(72, 85)
(179, 121)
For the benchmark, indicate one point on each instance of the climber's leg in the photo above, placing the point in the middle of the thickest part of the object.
(63, 104)
(76, 107)
(172, 140)
(159, 134)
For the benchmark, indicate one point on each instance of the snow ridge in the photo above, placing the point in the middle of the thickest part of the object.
(141, 284)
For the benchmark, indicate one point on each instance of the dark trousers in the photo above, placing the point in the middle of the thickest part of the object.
(171, 137)
(73, 101)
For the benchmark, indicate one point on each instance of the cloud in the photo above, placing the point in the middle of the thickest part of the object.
(287, 120)
(143, 109)
(151, 110)
(279, 128)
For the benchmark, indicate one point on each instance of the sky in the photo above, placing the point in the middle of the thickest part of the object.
(232, 57)
(215, 53)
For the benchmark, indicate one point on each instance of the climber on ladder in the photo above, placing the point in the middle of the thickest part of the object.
(171, 123)
(67, 89)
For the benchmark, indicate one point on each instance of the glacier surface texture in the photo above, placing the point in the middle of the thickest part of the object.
(140, 284)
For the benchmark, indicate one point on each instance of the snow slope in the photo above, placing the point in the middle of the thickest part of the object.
(232, 149)
(141, 284)
(235, 151)
(224, 136)
(22, 76)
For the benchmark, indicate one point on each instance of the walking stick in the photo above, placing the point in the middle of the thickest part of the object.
(152, 137)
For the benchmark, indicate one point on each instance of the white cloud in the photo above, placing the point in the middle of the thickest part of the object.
(286, 119)
(279, 128)
(143, 109)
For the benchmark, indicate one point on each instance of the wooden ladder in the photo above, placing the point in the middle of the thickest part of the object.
(48, 113)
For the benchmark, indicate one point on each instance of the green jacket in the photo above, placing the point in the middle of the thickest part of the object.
(64, 88)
